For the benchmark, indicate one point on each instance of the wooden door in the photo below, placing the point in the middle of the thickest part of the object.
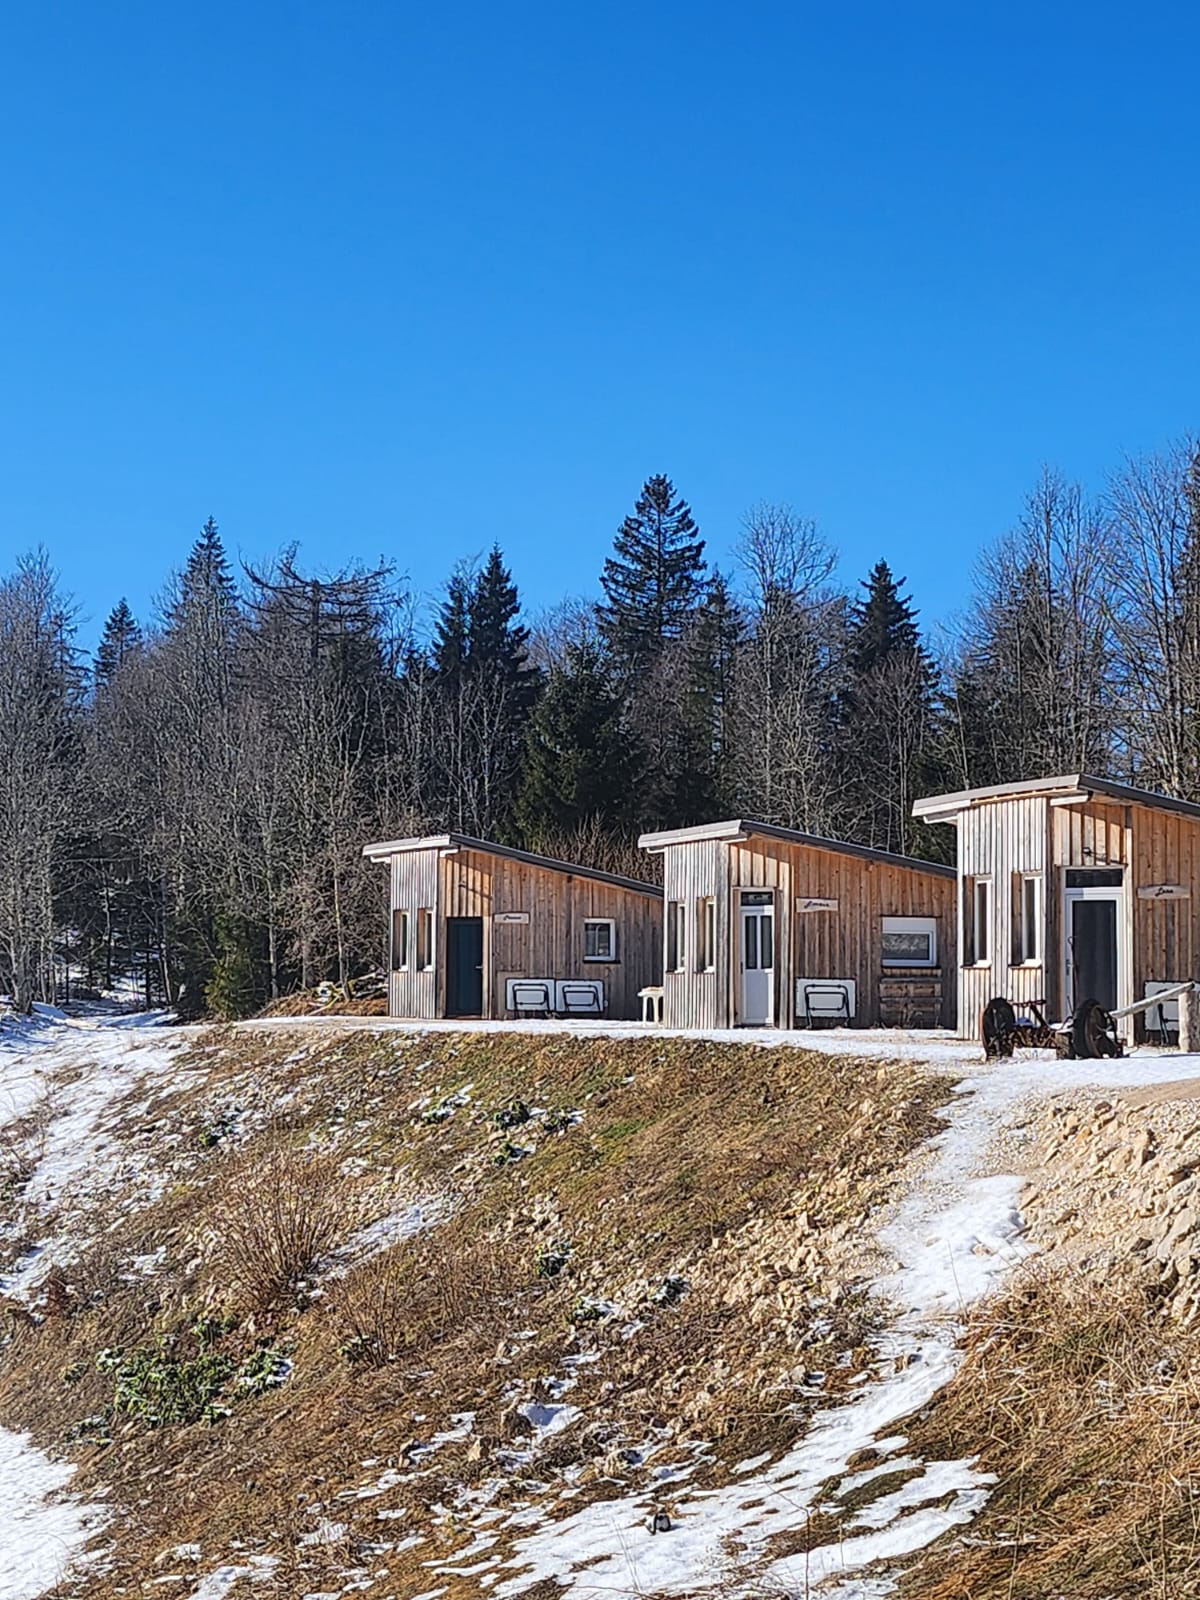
(464, 966)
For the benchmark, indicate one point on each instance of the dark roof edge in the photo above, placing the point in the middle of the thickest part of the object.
(464, 841)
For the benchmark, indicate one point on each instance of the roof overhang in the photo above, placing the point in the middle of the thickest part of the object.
(449, 844)
(744, 828)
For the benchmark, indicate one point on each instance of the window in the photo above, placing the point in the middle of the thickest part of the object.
(399, 941)
(910, 941)
(977, 922)
(424, 938)
(1027, 918)
(676, 935)
(706, 934)
(599, 939)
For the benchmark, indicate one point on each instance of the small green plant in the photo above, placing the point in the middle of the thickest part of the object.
(552, 1258)
(514, 1115)
(160, 1385)
(185, 1378)
(510, 1152)
(560, 1121)
(587, 1309)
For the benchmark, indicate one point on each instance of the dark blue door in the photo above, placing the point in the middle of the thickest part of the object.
(464, 966)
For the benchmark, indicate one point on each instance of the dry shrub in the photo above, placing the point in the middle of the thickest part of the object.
(422, 1293)
(283, 1212)
(1086, 1404)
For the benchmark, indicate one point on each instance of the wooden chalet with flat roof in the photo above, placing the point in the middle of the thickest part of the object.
(768, 927)
(482, 930)
(1072, 888)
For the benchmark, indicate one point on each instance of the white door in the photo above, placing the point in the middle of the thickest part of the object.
(757, 958)
(1092, 947)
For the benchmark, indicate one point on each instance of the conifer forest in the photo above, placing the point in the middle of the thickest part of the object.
(186, 809)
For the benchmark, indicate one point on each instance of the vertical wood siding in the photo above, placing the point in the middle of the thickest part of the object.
(415, 883)
(1001, 840)
(473, 883)
(694, 871)
(1165, 848)
(846, 943)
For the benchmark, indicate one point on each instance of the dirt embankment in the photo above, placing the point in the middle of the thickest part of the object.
(1081, 1386)
(350, 1308)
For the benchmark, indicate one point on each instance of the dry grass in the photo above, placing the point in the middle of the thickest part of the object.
(1087, 1407)
(423, 1295)
(680, 1151)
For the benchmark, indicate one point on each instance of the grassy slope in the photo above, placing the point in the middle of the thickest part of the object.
(716, 1194)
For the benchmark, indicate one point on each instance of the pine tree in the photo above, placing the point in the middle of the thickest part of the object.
(579, 763)
(498, 642)
(655, 579)
(883, 623)
(891, 736)
(121, 637)
(207, 581)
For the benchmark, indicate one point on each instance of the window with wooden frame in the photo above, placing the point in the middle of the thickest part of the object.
(977, 922)
(706, 934)
(400, 933)
(424, 939)
(1027, 919)
(599, 939)
(676, 935)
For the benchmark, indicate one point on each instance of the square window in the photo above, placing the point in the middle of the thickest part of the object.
(599, 939)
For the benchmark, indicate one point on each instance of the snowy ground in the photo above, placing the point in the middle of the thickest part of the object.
(60, 1083)
(65, 1084)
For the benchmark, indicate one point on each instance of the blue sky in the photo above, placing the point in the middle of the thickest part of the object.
(403, 280)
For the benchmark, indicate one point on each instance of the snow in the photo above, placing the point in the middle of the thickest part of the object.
(950, 1241)
(72, 1085)
(66, 1078)
(42, 1530)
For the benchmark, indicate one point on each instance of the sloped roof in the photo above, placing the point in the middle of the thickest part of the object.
(1077, 787)
(745, 828)
(447, 843)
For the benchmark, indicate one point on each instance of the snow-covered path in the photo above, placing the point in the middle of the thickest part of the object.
(951, 1239)
(62, 1081)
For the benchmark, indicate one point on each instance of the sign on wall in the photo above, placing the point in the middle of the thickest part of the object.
(506, 917)
(815, 903)
(1164, 891)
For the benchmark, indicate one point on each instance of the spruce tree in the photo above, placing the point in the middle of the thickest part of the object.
(206, 584)
(498, 642)
(579, 763)
(654, 580)
(121, 637)
(883, 623)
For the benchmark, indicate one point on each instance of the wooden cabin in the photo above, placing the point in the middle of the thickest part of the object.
(768, 927)
(1072, 888)
(480, 930)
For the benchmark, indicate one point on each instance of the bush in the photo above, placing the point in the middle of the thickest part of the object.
(285, 1214)
(422, 1293)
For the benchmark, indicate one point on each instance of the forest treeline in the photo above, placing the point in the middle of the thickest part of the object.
(189, 806)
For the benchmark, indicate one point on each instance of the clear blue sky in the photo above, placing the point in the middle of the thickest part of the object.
(404, 280)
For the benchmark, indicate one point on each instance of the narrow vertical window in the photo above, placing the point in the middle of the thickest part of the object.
(980, 924)
(706, 934)
(400, 930)
(424, 938)
(676, 935)
(1031, 917)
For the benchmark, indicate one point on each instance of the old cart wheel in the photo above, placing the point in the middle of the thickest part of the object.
(1093, 1032)
(998, 1028)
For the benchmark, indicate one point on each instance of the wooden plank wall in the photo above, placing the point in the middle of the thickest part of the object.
(1165, 848)
(1000, 840)
(551, 943)
(415, 883)
(842, 944)
(693, 871)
